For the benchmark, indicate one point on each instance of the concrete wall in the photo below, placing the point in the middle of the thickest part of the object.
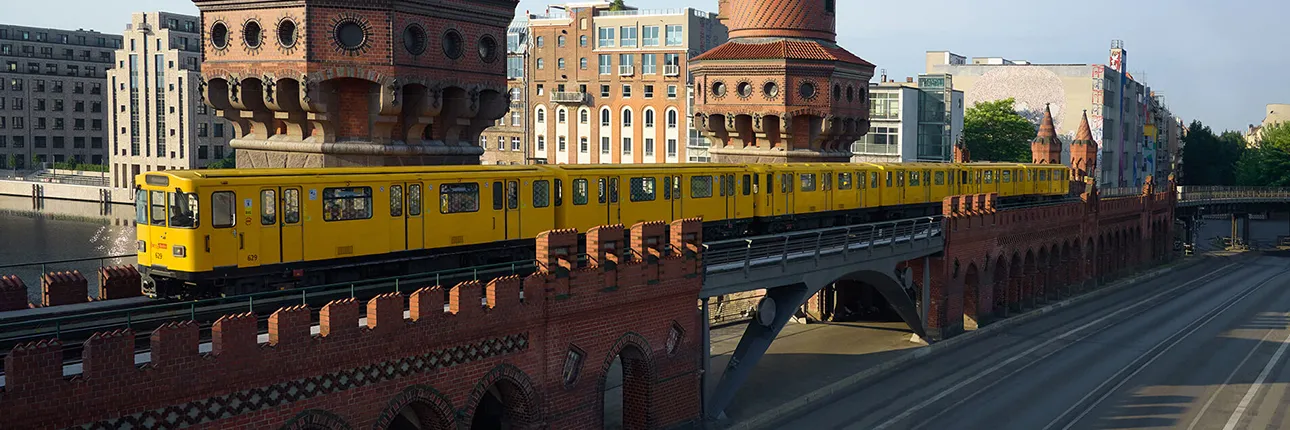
(54, 191)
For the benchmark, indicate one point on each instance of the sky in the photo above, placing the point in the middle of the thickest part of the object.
(1217, 61)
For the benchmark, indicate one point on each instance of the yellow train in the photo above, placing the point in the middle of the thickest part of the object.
(237, 231)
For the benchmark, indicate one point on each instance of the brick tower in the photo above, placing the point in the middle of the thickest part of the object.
(327, 83)
(1083, 151)
(1047, 147)
(781, 90)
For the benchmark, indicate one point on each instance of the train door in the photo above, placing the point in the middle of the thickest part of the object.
(787, 186)
(672, 195)
(826, 186)
(873, 188)
(223, 242)
(293, 231)
(158, 244)
(248, 237)
(398, 221)
(731, 202)
(506, 208)
(414, 208)
(613, 209)
(270, 234)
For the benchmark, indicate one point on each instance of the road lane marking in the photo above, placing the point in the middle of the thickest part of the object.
(1258, 385)
(910, 411)
(1214, 396)
(1177, 337)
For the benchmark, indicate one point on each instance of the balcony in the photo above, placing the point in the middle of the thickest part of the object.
(626, 70)
(567, 97)
(671, 70)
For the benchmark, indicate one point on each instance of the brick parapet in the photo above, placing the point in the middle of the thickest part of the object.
(63, 288)
(119, 282)
(13, 294)
(595, 309)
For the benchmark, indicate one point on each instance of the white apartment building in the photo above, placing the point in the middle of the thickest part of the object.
(911, 121)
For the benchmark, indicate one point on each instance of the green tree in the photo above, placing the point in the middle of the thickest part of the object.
(228, 162)
(994, 131)
(617, 5)
(1268, 163)
(1209, 158)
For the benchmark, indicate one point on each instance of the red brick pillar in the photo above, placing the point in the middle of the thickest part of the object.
(1015, 293)
(64, 288)
(119, 282)
(13, 294)
(938, 299)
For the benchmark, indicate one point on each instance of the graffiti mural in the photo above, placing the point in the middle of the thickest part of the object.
(1031, 87)
(1095, 117)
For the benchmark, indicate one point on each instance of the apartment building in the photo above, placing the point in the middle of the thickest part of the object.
(158, 120)
(911, 121)
(507, 142)
(51, 96)
(1118, 106)
(611, 86)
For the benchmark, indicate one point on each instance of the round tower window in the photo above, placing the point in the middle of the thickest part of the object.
(719, 89)
(350, 35)
(837, 92)
(488, 49)
(414, 39)
(219, 35)
(745, 90)
(251, 34)
(453, 44)
(808, 90)
(287, 33)
(851, 93)
(771, 90)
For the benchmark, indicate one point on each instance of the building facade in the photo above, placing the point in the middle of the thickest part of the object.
(1276, 113)
(53, 106)
(912, 121)
(613, 86)
(507, 142)
(1117, 105)
(157, 120)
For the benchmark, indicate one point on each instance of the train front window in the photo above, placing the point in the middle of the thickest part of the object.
(183, 210)
(158, 205)
(141, 207)
(223, 209)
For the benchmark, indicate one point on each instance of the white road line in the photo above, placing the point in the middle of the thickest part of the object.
(909, 412)
(1177, 337)
(1258, 385)
(1212, 397)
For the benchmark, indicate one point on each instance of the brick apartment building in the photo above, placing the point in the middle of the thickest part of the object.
(611, 86)
(506, 142)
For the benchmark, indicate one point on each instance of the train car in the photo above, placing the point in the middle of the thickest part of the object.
(231, 232)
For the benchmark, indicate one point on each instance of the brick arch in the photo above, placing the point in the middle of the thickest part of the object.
(1000, 278)
(316, 419)
(972, 295)
(433, 409)
(638, 379)
(518, 393)
(1018, 271)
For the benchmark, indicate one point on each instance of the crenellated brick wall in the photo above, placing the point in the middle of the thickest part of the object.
(545, 343)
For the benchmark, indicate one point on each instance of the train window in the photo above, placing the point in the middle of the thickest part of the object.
(512, 195)
(291, 204)
(414, 202)
(396, 200)
(613, 190)
(747, 184)
(541, 193)
(600, 190)
(644, 189)
(676, 187)
(223, 209)
(927, 178)
(1043, 175)
(786, 183)
(1016, 175)
(580, 190)
(459, 198)
(1031, 176)
(914, 179)
(728, 184)
(1007, 177)
(344, 204)
(141, 207)
(828, 181)
(770, 183)
(873, 180)
(940, 178)
(667, 188)
(844, 181)
(183, 210)
(158, 212)
(499, 196)
(900, 179)
(989, 176)
(889, 175)
(268, 207)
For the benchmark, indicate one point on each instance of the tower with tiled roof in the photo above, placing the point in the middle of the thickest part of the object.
(781, 89)
(1047, 147)
(1083, 151)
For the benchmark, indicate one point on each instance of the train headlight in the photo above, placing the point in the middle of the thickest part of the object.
(141, 245)
(179, 251)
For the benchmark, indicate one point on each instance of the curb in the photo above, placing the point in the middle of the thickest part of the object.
(802, 403)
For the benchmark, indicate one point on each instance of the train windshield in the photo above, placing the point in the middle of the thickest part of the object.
(141, 207)
(183, 209)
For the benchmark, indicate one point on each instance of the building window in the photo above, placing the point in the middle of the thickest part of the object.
(879, 141)
(541, 64)
(605, 37)
(559, 41)
(671, 118)
(541, 41)
(627, 91)
(582, 40)
(559, 63)
(203, 130)
(501, 143)
(649, 118)
(541, 116)
(649, 36)
(885, 106)
(584, 145)
(627, 145)
(627, 117)
(584, 116)
(604, 117)
(604, 145)
(541, 143)
(561, 116)
(515, 119)
(582, 63)
(606, 64)
(649, 91)
(514, 67)
(604, 91)
(649, 64)
(649, 147)
(219, 130)
(515, 144)
(671, 148)
(627, 38)
(674, 35)
(562, 144)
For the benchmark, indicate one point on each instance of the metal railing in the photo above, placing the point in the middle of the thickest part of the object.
(671, 70)
(1119, 191)
(1216, 193)
(745, 254)
(626, 70)
(23, 269)
(568, 97)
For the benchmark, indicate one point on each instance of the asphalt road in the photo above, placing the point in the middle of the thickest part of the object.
(1203, 347)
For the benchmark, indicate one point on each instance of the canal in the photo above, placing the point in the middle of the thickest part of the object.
(62, 230)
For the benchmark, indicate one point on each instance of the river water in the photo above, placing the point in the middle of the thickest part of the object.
(62, 230)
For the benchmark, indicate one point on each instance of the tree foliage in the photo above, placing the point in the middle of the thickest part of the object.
(1209, 158)
(994, 131)
(229, 162)
(1267, 164)
(617, 5)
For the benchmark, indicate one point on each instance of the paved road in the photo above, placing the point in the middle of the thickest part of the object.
(1204, 347)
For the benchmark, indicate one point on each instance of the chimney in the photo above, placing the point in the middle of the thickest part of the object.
(723, 12)
(883, 78)
(909, 79)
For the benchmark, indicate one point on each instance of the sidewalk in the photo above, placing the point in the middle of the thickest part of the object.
(805, 358)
